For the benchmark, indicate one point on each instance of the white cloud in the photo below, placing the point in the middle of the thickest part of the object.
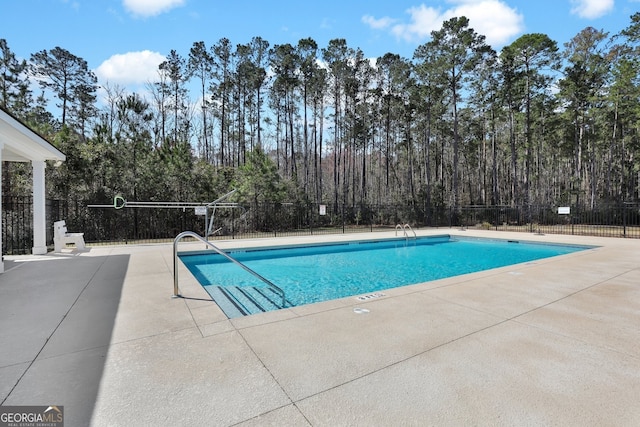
(145, 8)
(74, 4)
(591, 9)
(326, 24)
(492, 18)
(424, 20)
(131, 68)
(377, 24)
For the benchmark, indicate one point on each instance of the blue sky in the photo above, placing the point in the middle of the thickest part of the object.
(123, 41)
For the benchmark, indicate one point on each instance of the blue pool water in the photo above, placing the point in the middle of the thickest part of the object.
(323, 272)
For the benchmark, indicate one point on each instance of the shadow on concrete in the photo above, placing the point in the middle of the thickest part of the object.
(57, 316)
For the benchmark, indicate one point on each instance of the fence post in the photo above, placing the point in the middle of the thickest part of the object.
(624, 219)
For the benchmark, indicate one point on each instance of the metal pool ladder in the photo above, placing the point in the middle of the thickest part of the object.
(176, 292)
(404, 230)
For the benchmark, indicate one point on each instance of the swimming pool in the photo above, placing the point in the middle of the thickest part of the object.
(315, 273)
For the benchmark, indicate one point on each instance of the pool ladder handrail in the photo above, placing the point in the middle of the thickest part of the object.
(176, 291)
(404, 229)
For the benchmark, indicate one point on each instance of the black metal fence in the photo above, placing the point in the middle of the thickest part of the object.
(17, 225)
(621, 220)
(146, 225)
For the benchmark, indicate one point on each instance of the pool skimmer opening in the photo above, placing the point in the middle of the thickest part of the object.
(359, 310)
(370, 296)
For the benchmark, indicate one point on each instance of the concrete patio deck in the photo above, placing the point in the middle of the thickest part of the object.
(554, 342)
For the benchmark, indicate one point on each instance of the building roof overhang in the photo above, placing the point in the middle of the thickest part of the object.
(22, 144)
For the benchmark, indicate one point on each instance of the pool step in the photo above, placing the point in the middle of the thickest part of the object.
(238, 301)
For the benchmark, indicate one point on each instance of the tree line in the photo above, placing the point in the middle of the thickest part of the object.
(456, 124)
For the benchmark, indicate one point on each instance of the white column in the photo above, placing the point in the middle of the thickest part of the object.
(39, 209)
(1, 224)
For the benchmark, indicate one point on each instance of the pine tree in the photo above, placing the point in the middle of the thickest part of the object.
(70, 79)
